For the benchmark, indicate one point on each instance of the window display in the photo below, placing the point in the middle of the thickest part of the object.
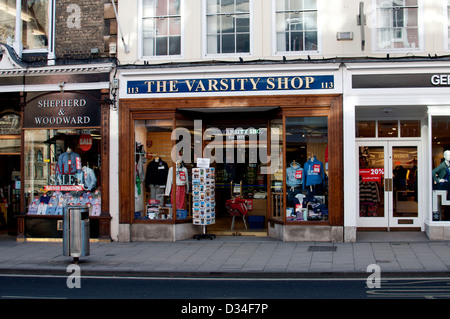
(62, 168)
(441, 168)
(154, 174)
(306, 187)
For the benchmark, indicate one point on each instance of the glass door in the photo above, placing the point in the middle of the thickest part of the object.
(388, 184)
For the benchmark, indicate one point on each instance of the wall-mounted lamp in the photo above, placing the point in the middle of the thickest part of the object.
(61, 86)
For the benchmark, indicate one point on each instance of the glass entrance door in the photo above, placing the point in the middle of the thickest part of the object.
(388, 184)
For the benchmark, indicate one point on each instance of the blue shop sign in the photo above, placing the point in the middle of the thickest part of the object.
(282, 83)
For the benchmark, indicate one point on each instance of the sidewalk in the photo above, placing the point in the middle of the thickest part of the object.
(235, 256)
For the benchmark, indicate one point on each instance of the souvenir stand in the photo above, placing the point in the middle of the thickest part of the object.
(203, 198)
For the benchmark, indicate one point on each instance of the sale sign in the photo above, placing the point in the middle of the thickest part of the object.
(85, 142)
(371, 174)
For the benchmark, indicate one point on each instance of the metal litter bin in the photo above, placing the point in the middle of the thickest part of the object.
(76, 232)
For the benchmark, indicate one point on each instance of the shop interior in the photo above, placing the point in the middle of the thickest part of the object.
(9, 193)
(10, 170)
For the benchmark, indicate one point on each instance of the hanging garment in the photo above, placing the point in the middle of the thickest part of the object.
(294, 175)
(59, 209)
(313, 172)
(42, 209)
(89, 179)
(51, 209)
(156, 173)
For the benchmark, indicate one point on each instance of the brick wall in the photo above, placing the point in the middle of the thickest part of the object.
(84, 29)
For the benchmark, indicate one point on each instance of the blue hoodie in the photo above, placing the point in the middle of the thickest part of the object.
(314, 173)
(291, 180)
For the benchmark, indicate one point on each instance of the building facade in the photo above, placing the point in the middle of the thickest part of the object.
(348, 101)
(315, 119)
(56, 61)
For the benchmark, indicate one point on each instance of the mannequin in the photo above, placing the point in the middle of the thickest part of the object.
(294, 181)
(156, 178)
(182, 184)
(441, 174)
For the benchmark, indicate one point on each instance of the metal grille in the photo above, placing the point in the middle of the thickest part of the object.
(322, 248)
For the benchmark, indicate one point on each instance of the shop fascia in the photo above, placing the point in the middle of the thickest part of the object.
(62, 117)
(320, 82)
(62, 110)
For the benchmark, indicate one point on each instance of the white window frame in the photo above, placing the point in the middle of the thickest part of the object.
(420, 31)
(225, 55)
(275, 50)
(446, 25)
(140, 45)
(18, 44)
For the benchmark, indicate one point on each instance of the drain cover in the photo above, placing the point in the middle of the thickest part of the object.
(322, 248)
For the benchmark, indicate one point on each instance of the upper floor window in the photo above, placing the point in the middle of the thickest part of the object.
(227, 26)
(33, 19)
(448, 25)
(296, 25)
(161, 28)
(397, 24)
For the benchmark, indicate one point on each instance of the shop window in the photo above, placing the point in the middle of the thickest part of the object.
(388, 128)
(440, 131)
(306, 168)
(10, 124)
(154, 173)
(62, 169)
(228, 26)
(10, 134)
(409, 128)
(161, 28)
(366, 128)
(296, 25)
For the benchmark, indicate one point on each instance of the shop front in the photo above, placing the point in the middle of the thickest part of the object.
(63, 163)
(396, 127)
(231, 153)
(54, 153)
